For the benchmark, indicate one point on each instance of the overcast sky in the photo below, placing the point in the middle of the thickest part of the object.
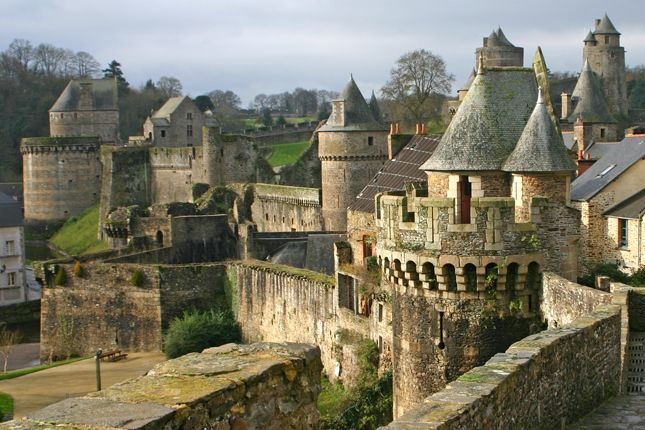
(254, 46)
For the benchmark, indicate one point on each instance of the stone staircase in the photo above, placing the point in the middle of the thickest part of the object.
(636, 365)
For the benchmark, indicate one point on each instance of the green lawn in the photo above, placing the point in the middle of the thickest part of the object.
(78, 235)
(6, 404)
(287, 153)
(26, 371)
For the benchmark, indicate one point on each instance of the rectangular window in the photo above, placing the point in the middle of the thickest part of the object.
(622, 232)
(9, 247)
(380, 312)
(189, 115)
(189, 130)
(11, 279)
(602, 132)
(163, 133)
(370, 140)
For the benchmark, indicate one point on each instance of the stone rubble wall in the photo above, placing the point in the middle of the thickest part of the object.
(259, 386)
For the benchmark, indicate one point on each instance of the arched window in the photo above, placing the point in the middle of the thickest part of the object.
(533, 276)
(427, 269)
(411, 270)
(492, 274)
(450, 277)
(470, 277)
(397, 265)
(159, 238)
(386, 263)
(511, 278)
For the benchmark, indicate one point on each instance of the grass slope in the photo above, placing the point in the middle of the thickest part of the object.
(78, 235)
(287, 153)
(6, 405)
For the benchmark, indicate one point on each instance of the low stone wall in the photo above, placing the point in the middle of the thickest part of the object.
(260, 386)
(545, 381)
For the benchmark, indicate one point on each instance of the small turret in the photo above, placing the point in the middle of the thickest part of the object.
(376, 111)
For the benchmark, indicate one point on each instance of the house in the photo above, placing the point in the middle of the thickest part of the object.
(625, 231)
(178, 122)
(12, 252)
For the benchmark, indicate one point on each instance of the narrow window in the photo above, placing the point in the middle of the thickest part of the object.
(189, 115)
(450, 277)
(606, 40)
(492, 273)
(622, 233)
(380, 344)
(511, 278)
(470, 275)
(266, 216)
(159, 238)
(163, 133)
(380, 312)
(441, 345)
(189, 130)
(602, 132)
(11, 279)
(370, 140)
(9, 247)
(465, 193)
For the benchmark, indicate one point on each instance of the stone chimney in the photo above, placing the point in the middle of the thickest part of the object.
(566, 105)
(86, 99)
(597, 23)
(582, 134)
(584, 162)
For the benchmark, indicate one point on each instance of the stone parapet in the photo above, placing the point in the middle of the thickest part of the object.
(259, 386)
(36, 145)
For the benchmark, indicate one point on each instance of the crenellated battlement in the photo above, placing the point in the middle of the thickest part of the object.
(44, 145)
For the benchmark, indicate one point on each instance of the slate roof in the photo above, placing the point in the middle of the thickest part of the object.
(376, 111)
(490, 120)
(501, 38)
(10, 212)
(591, 104)
(497, 38)
(168, 108)
(540, 147)
(606, 26)
(358, 116)
(469, 82)
(632, 207)
(604, 171)
(590, 37)
(103, 90)
(395, 173)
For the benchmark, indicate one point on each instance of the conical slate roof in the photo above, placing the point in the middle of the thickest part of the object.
(540, 147)
(590, 37)
(606, 26)
(490, 120)
(469, 82)
(104, 95)
(376, 111)
(358, 115)
(501, 37)
(590, 100)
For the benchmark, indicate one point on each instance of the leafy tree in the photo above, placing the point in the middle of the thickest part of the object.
(113, 70)
(281, 120)
(204, 103)
(225, 100)
(195, 331)
(416, 77)
(265, 117)
(169, 86)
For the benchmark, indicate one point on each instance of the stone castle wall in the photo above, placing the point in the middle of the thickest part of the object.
(172, 171)
(61, 176)
(281, 208)
(547, 380)
(259, 386)
(102, 124)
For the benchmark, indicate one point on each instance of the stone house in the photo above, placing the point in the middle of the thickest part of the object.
(625, 229)
(12, 252)
(178, 122)
(609, 182)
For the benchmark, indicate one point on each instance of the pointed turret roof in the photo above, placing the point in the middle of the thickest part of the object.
(376, 111)
(490, 120)
(492, 40)
(590, 37)
(103, 93)
(590, 100)
(357, 113)
(540, 147)
(470, 80)
(501, 37)
(606, 26)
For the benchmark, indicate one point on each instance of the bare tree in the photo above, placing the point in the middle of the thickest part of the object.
(49, 59)
(22, 51)
(416, 76)
(169, 86)
(85, 65)
(8, 339)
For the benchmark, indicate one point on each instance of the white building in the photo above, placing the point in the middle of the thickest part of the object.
(12, 252)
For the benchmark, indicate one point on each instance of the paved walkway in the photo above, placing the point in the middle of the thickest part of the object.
(37, 390)
(24, 355)
(622, 412)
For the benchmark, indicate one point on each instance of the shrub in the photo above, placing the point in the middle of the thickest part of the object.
(604, 269)
(61, 277)
(137, 278)
(196, 330)
(78, 269)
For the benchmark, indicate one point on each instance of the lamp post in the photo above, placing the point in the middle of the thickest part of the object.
(97, 357)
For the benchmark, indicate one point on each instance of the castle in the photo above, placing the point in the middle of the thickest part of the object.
(466, 242)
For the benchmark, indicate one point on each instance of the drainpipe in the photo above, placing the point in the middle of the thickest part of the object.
(640, 226)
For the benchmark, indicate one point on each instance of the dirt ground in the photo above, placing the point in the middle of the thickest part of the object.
(37, 390)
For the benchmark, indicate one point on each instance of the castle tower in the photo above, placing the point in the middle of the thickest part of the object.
(606, 58)
(591, 107)
(86, 107)
(352, 148)
(463, 262)
(498, 51)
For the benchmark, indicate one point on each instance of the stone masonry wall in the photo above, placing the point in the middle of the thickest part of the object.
(172, 173)
(281, 208)
(545, 381)
(232, 387)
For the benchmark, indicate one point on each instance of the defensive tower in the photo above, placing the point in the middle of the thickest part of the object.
(352, 148)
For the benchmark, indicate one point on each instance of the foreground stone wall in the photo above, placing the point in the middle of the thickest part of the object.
(544, 381)
(260, 386)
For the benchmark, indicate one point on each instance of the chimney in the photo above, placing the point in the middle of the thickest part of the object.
(584, 162)
(582, 133)
(423, 128)
(392, 128)
(397, 128)
(417, 128)
(86, 100)
(566, 105)
(597, 23)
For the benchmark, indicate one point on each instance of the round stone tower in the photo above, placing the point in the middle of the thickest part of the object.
(352, 148)
(463, 263)
(607, 60)
(61, 176)
(498, 51)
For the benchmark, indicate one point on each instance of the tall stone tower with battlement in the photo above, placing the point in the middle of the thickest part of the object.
(352, 148)
(498, 51)
(463, 260)
(606, 58)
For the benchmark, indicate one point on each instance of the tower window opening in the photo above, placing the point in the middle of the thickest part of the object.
(470, 277)
(465, 194)
(163, 133)
(602, 132)
(606, 40)
(441, 345)
(492, 273)
(622, 233)
(370, 140)
(450, 277)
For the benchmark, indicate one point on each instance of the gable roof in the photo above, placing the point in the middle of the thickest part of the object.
(490, 120)
(605, 26)
(104, 93)
(591, 104)
(10, 212)
(358, 115)
(540, 147)
(604, 171)
(168, 108)
(632, 207)
(395, 173)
